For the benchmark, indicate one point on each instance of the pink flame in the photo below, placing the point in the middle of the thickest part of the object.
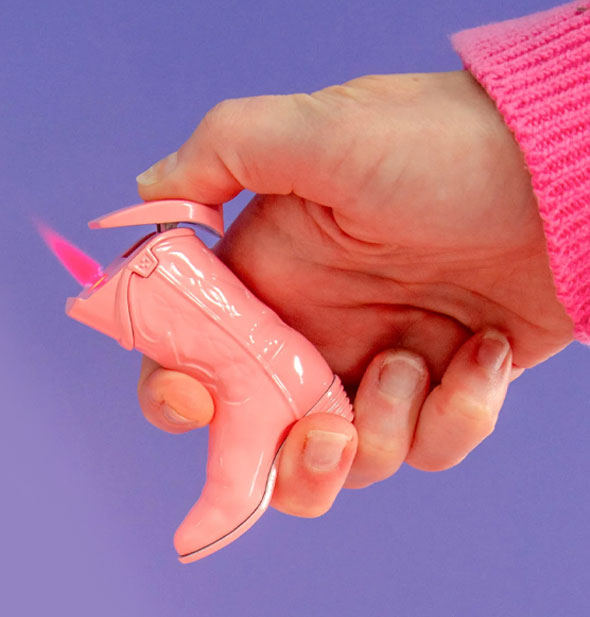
(82, 267)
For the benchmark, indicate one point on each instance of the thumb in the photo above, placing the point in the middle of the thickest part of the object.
(265, 144)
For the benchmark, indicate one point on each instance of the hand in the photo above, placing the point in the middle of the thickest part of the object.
(395, 226)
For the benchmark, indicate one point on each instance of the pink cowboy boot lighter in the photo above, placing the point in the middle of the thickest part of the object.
(169, 297)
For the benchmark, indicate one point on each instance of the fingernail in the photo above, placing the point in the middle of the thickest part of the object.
(172, 415)
(323, 450)
(492, 352)
(158, 171)
(400, 377)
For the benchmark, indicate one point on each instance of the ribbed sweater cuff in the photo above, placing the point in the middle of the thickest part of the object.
(537, 70)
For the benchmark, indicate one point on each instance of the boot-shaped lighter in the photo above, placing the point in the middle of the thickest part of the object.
(171, 298)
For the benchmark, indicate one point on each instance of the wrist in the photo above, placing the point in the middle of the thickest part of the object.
(535, 69)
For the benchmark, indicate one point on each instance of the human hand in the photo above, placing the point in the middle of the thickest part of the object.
(395, 227)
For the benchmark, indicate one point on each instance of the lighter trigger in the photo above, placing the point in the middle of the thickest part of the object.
(165, 214)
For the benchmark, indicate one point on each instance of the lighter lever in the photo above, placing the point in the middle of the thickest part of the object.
(172, 299)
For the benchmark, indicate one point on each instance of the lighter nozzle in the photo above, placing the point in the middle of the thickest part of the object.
(105, 309)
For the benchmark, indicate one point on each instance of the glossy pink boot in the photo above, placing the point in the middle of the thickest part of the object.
(173, 300)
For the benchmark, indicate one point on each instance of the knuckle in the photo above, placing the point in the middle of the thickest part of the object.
(222, 116)
(379, 448)
(224, 108)
(424, 457)
(477, 414)
(378, 459)
(244, 130)
(255, 110)
(345, 91)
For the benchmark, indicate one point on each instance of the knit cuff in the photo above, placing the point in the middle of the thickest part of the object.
(537, 70)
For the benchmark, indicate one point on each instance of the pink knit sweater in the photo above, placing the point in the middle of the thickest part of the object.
(537, 70)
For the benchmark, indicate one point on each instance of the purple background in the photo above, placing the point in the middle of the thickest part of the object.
(91, 94)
